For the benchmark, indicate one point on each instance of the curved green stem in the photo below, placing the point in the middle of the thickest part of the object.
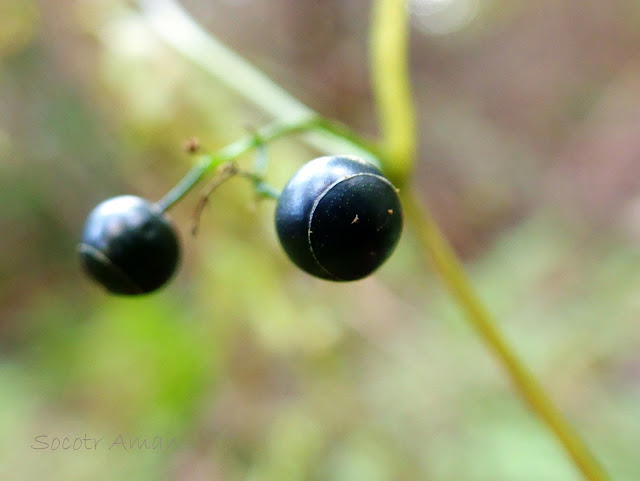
(389, 39)
(450, 269)
(188, 182)
(209, 162)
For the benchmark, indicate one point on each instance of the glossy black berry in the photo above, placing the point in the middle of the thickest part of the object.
(339, 218)
(129, 246)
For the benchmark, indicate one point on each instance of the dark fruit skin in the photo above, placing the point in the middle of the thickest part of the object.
(339, 218)
(129, 246)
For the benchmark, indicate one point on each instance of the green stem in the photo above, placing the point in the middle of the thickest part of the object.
(389, 41)
(188, 182)
(207, 163)
(450, 269)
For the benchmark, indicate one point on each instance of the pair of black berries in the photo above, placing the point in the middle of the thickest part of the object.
(338, 218)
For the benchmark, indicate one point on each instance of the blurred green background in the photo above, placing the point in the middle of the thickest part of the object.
(251, 370)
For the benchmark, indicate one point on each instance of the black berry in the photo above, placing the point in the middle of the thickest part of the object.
(129, 246)
(339, 218)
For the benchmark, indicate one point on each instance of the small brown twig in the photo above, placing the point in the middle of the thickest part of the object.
(225, 172)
